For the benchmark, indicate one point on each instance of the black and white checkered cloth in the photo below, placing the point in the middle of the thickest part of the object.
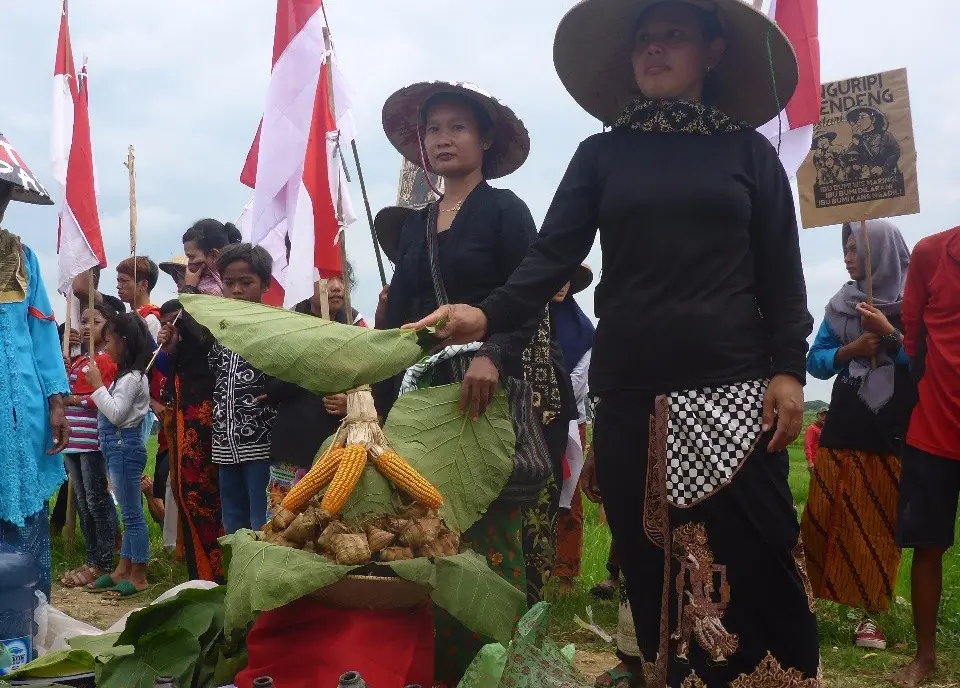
(710, 433)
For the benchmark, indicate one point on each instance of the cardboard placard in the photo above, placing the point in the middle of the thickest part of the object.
(863, 161)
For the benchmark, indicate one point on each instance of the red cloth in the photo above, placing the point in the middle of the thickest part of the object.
(307, 645)
(811, 443)
(931, 321)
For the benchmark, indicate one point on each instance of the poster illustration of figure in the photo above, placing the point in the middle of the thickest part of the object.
(863, 161)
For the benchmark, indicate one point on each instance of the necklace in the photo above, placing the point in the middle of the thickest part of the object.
(451, 210)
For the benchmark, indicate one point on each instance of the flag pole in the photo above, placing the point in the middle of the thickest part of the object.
(366, 205)
(130, 164)
(341, 237)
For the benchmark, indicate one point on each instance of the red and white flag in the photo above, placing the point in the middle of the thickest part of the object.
(80, 243)
(294, 164)
(792, 132)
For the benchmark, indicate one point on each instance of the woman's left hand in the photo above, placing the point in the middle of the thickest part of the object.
(94, 379)
(783, 402)
(479, 386)
(873, 320)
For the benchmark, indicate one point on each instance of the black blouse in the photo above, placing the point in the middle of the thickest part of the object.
(486, 242)
(702, 282)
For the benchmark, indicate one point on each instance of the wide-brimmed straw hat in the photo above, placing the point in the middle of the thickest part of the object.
(26, 188)
(875, 114)
(175, 267)
(582, 278)
(403, 114)
(594, 44)
(388, 224)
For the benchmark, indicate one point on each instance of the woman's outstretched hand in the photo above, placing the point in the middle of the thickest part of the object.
(462, 324)
(784, 399)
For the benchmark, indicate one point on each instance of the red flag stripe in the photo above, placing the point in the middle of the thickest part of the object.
(799, 21)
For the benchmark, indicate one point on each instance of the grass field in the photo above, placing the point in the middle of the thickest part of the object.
(844, 665)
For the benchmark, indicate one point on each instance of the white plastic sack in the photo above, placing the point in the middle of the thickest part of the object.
(54, 627)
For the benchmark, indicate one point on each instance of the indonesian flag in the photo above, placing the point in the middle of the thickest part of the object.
(798, 19)
(294, 164)
(80, 244)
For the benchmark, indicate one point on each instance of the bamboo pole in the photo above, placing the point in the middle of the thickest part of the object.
(69, 527)
(757, 4)
(130, 164)
(366, 205)
(67, 325)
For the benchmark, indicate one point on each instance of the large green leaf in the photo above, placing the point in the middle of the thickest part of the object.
(171, 652)
(373, 495)
(477, 597)
(56, 664)
(263, 577)
(103, 645)
(468, 462)
(322, 356)
(198, 611)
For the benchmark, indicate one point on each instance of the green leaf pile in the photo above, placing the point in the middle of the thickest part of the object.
(468, 462)
(322, 356)
(264, 577)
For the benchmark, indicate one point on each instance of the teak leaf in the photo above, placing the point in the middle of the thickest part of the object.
(322, 356)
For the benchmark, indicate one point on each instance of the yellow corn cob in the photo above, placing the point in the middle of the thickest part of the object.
(404, 476)
(318, 476)
(345, 479)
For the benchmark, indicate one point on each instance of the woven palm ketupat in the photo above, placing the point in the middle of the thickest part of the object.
(849, 528)
(372, 592)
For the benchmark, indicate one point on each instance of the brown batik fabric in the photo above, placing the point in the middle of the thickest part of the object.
(849, 527)
(711, 633)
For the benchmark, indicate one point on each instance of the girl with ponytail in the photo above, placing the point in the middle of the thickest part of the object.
(202, 244)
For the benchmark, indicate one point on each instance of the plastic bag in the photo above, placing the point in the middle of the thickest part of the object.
(533, 659)
(54, 627)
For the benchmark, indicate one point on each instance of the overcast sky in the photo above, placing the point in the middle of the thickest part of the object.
(185, 81)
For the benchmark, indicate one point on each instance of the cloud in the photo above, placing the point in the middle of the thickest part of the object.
(185, 81)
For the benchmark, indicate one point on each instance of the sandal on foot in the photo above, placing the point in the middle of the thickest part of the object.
(125, 589)
(102, 584)
(618, 679)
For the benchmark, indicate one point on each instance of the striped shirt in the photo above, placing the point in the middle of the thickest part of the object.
(83, 419)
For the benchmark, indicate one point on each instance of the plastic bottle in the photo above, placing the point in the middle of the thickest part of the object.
(263, 682)
(19, 575)
(351, 679)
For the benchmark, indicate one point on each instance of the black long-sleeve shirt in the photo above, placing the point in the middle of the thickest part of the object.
(486, 242)
(702, 282)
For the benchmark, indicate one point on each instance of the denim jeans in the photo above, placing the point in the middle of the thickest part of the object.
(98, 515)
(126, 458)
(243, 495)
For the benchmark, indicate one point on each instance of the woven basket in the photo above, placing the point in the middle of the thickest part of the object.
(371, 592)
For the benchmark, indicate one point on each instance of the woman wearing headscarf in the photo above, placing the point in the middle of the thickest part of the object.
(33, 381)
(850, 521)
(699, 359)
(461, 248)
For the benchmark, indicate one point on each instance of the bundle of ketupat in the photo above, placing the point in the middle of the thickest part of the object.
(309, 522)
(415, 532)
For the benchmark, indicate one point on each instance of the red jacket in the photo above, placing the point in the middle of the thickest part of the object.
(811, 443)
(931, 327)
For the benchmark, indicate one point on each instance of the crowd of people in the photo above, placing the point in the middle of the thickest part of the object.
(695, 385)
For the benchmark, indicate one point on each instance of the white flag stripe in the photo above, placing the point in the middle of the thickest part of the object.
(75, 256)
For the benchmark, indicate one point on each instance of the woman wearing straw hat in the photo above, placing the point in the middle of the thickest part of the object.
(703, 329)
(459, 249)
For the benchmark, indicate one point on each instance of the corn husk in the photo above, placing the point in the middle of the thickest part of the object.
(325, 541)
(351, 549)
(396, 554)
(378, 539)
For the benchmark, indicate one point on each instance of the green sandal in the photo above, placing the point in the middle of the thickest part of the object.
(101, 585)
(125, 589)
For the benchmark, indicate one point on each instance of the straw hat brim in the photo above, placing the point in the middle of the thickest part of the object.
(402, 115)
(854, 113)
(10, 173)
(175, 266)
(594, 43)
(388, 225)
(582, 278)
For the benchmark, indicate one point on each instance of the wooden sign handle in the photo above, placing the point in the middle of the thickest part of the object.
(868, 270)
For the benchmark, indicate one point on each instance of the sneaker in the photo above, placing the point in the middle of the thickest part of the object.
(869, 636)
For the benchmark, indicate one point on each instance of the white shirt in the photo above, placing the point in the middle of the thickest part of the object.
(579, 379)
(126, 402)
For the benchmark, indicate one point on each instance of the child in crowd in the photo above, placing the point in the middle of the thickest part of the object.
(242, 418)
(202, 244)
(84, 461)
(122, 410)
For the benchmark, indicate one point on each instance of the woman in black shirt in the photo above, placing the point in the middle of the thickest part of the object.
(699, 357)
(459, 249)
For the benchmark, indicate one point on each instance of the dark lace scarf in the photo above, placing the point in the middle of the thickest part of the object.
(676, 117)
